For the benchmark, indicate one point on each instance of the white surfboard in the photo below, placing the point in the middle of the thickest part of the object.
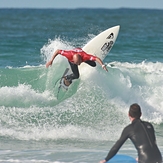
(101, 45)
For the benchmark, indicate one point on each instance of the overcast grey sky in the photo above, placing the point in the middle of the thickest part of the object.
(152, 4)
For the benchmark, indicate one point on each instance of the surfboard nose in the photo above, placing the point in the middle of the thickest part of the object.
(101, 44)
(116, 28)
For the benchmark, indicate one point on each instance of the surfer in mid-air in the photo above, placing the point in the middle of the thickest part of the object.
(76, 57)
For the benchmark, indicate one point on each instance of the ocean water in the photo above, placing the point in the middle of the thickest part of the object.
(82, 125)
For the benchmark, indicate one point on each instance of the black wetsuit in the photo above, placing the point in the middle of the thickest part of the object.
(75, 70)
(142, 135)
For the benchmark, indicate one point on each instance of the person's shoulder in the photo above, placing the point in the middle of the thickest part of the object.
(145, 122)
(127, 127)
(60, 51)
(148, 124)
(127, 131)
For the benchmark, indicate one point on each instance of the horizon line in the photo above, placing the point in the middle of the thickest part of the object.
(93, 8)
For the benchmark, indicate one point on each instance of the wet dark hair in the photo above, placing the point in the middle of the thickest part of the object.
(135, 111)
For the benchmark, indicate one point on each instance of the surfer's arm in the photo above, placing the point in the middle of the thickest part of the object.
(124, 136)
(101, 63)
(53, 57)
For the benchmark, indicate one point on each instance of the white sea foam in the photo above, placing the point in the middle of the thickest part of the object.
(101, 98)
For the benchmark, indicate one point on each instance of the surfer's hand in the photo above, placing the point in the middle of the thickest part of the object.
(104, 67)
(48, 64)
(102, 161)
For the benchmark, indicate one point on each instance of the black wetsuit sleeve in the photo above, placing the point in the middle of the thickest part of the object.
(118, 144)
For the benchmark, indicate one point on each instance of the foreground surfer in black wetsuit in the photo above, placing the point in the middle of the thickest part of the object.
(142, 135)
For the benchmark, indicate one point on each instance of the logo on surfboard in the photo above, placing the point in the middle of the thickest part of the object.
(108, 45)
(111, 36)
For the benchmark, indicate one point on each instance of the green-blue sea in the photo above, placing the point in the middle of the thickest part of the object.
(85, 121)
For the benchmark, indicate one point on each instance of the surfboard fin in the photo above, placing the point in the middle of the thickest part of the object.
(61, 82)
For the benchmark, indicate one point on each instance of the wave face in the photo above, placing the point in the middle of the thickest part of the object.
(96, 103)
